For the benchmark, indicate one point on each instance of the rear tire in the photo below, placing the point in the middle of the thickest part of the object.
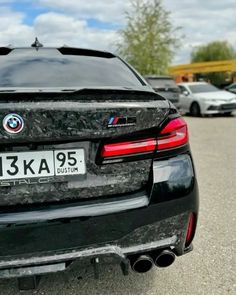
(195, 110)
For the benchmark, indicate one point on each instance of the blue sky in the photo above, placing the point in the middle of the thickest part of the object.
(95, 23)
(29, 10)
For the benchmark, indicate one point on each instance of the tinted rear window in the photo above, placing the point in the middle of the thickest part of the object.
(49, 68)
(162, 83)
(201, 88)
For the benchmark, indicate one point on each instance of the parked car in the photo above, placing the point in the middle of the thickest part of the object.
(94, 166)
(231, 88)
(201, 98)
(165, 86)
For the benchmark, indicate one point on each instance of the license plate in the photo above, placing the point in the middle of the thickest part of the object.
(42, 164)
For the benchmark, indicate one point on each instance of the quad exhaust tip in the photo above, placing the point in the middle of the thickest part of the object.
(145, 262)
(142, 264)
(165, 258)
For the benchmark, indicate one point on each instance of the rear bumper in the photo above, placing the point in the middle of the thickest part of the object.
(31, 243)
(112, 236)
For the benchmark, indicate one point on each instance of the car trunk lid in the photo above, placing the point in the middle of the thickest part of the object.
(79, 121)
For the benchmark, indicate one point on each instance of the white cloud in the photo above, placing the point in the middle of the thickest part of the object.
(106, 10)
(67, 23)
(12, 29)
(52, 29)
(58, 29)
(202, 22)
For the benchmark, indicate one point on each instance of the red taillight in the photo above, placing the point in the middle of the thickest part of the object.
(190, 229)
(173, 135)
(129, 147)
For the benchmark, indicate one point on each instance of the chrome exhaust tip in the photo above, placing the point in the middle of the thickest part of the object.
(165, 258)
(142, 264)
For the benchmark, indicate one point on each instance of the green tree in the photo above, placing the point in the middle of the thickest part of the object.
(214, 51)
(148, 40)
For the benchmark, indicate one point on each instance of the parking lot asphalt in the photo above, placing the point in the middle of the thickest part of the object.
(211, 268)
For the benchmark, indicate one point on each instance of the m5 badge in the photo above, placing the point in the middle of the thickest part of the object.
(114, 122)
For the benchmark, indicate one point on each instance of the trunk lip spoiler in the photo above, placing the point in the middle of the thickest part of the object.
(74, 89)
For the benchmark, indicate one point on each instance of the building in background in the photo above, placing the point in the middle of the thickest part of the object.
(196, 71)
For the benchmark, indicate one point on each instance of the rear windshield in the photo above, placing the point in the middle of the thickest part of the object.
(161, 83)
(201, 88)
(31, 68)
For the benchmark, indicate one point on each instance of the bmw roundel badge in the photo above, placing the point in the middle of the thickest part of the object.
(13, 123)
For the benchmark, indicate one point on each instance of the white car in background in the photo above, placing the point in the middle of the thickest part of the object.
(201, 98)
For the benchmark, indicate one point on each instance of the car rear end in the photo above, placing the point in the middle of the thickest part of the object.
(166, 87)
(94, 166)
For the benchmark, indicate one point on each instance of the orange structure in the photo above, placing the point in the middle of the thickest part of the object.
(186, 72)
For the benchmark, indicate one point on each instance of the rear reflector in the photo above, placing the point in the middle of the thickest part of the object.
(173, 135)
(191, 229)
(129, 147)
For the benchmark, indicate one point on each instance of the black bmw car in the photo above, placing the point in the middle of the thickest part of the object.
(94, 166)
